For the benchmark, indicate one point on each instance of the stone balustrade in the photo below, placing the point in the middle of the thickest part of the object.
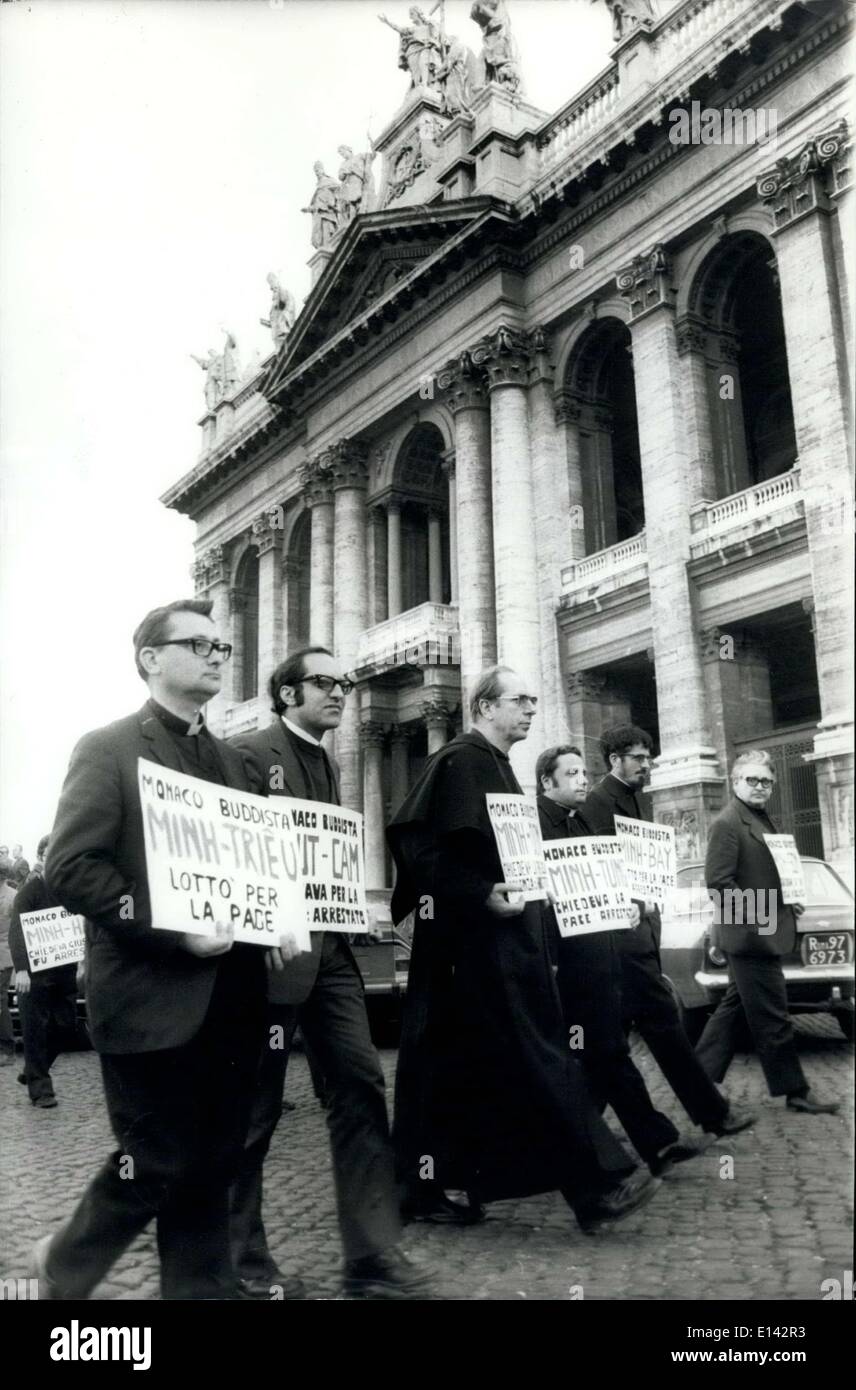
(428, 635)
(754, 506)
(569, 128)
(615, 562)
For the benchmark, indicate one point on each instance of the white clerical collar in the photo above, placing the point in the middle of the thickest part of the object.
(298, 732)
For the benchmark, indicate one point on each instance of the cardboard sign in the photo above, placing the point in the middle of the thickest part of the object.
(335, 883)
(587, 878)
(789, 865)
(649, 858)
(518, 838)
(218, 855)
(52, 937)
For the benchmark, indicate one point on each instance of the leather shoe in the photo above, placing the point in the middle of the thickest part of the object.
(618, 1201)
(48, 1291)
(737, 1119)
(440, 1210)
(45, 1102)
(389, 1274)
(810, 1105)
(679, 1152)
(278, 1287)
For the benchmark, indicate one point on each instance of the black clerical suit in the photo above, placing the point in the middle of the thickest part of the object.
(486, 1085)
(589, 981)
(178, 1035)
(738, 859)
(48, 1009)
(646, 999)
(323, 991)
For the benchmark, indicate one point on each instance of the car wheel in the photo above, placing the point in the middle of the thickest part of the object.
(845, 1019)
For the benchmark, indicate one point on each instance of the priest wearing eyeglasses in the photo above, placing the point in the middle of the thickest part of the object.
(323, 992)
(177, 1019)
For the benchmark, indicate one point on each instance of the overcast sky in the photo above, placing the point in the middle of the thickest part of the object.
(155, 158)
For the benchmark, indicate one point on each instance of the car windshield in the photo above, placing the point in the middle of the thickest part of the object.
(821, 884)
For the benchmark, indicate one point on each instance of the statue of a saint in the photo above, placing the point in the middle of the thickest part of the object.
(281, 314)
(355, 181)
(499, 53)
(458, 76)
(420, 48)
(324, 207)
(231, 365)
(212, 365)
(627, 14)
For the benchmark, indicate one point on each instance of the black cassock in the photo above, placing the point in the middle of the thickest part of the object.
(486, 1086)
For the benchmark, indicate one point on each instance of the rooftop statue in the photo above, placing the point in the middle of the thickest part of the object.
(231, 365)
(499, 52)
(281, 314)
(212, 365)
(458, 76)
(420, 47)
(324, 207)
(627, 14)
(356, 187)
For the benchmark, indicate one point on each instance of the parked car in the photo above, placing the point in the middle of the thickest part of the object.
(818, 974)
(383, 957)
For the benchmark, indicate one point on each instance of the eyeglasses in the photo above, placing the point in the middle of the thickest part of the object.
(200, 646)
(518, 700)
(765, 782)
(327, 684)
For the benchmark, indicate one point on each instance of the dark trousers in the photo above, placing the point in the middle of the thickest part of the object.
(648, 1004)
(334, 1023)
(756, 998)
(180, 1118)
(589, 981)
(47, 1022)
(7, 1036)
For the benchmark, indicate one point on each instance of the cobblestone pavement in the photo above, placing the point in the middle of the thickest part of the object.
(775, 1230)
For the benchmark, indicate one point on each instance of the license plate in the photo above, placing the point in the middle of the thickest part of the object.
(830, 948)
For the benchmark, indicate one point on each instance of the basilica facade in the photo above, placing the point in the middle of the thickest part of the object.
(572, 393)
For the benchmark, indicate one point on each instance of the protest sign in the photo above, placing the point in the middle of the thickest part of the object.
(335, 889)
(649, 857)
(587, 878)
(214, 854)
(52, 937)
(518, 837)
(787, 858)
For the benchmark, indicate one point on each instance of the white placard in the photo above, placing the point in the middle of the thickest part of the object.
(789, 865)
(334, 863)
(52, 937)
(587, 878)
(649, 858)
(514, 818)
(214, 854)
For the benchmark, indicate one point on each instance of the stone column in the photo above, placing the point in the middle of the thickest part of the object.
(592, 707)
(449, 470)
(393, 557)
(737, 681)
(372, 735)
(691, 341)
(687, 776)
(552, 514)
(567, 414)
(436, 716)
(466, 396)
(399, 743)
(237, 609)
(318, 494)
(435, 556)
(268, 541)
(290, 579)
(378, 609)
(210, 576)
(507, 358)
(346, 462)
(730, 430)
(802, 193)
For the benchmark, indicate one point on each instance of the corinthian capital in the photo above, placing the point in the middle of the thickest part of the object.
(464, 385)
(267, 530)
(506, 357)
(347, 463)
(316, 481)
(645, 281)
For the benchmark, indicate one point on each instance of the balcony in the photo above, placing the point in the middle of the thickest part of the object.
(616, 567)
(745, 518)
(424, 636)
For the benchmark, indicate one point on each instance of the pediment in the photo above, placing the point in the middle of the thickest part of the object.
(378, 254)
